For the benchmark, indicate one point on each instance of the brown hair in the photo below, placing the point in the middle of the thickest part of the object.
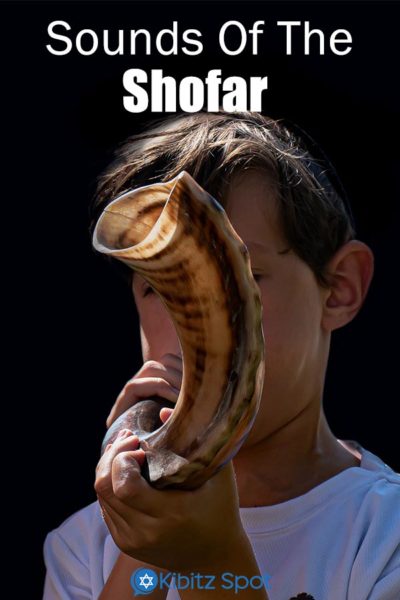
(212, 147)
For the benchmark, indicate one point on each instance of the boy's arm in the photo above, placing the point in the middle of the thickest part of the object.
(196, 531)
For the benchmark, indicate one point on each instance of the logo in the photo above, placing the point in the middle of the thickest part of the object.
(143, 581)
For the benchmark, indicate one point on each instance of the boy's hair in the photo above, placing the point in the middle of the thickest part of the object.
(212, 148)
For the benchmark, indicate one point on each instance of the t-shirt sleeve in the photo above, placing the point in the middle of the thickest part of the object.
(67, 577)
(388, 585)
(376, 570)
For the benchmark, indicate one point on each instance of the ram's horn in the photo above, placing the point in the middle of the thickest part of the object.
(180, 240)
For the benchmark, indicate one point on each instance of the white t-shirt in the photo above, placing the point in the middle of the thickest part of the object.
(339, 541)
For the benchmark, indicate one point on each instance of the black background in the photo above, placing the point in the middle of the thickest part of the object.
(73, 323)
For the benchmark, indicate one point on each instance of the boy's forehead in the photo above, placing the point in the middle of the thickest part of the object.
(252, 207)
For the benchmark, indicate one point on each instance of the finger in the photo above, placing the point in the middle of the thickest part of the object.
(172, 360)
(170, 372)
(118, 478)
(169, 369)
(165, 414)
(150, 386)
(130, 493)
(126, 477)
(137, 390)
(131, 489)
(124, 441)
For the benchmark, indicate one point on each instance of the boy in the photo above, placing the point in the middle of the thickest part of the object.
(317, 517)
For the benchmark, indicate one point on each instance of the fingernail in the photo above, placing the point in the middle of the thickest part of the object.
(122, 433)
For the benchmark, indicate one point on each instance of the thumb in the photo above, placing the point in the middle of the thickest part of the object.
(165, 414)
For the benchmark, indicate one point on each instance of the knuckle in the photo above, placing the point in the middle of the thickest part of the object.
(171, 356)
(122, 491)
(168, 385)
(101, 484)
(128, 384)
(151, 364)
(125, 484)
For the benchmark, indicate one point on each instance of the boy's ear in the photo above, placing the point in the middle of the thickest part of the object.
(350, 272)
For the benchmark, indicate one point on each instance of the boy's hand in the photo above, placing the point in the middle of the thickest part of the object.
(178, 530)
(154, 378)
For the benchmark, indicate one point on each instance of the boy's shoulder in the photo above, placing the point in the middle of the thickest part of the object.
(73, 533)
(85, 517)
(382, 499)
(376, 528)
(375, 487)
(381, 505)
(84, 520)
(379, 470)
(365, 497)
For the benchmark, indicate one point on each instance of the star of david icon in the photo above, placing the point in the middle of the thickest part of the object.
(146, 581)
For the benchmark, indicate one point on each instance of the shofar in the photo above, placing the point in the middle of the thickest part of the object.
(180, 240)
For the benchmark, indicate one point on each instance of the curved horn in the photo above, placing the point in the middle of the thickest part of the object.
(180, 240)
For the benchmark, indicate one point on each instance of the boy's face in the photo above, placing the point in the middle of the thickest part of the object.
(296, 345)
